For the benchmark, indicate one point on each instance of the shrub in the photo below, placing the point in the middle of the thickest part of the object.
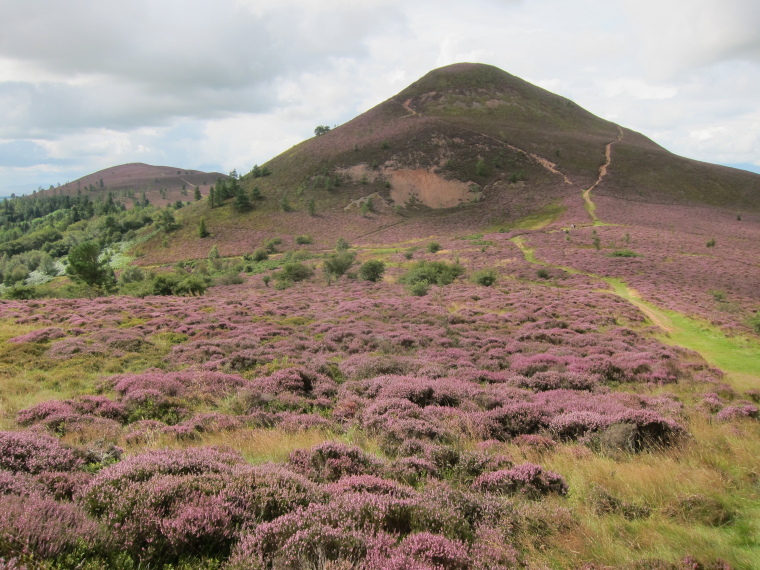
(294, 272)
(330, 461)
(485, 277)
(527, 479)
(624, 253)
(202, 230)
(260, 254)
(304, 240)
(271, 245)
(342, 245)
(433, 247)
(542, 274)
(754, 322)
(337, 264)
(710, 242)
(31, 452)
(372, 270)
(431, 273)
(418, 289)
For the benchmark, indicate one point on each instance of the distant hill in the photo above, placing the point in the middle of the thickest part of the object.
(466, 147)
(162, 184)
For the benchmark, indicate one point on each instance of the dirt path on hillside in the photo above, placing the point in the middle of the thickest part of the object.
(408, 106)
(657, 318)
(590, 206)
(619, 287)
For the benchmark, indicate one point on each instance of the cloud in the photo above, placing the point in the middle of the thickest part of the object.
(145, 62)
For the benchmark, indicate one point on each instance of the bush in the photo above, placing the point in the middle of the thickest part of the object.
(260, 254)
(372, 270)
(754, 322)
(432, 273)
(542, 274)
(342, 245)
(337, 264)
(711, 243)
(304, 240)
(271, 245)
(485, 277)
(527, 479)
(419, 289)
(433, 247)
(624, 253)
(294, 272)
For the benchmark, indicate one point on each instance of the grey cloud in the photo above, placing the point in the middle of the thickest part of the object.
(123, 64)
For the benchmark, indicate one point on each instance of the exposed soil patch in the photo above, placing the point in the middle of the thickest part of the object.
(430, 189)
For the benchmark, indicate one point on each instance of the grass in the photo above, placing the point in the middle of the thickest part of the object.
(736, 355)
(535, 221)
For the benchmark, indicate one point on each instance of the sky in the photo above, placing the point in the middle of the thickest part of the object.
(225, 84)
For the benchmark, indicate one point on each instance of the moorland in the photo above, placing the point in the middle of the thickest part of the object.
(475, 327)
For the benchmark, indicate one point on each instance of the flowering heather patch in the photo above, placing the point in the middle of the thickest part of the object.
(42, 335)
(330, 461)
(42, 527)
(30, 452)
(527, 479)
(739, 411)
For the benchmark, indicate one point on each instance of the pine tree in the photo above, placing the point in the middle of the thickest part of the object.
(312, 208)
(242, 201)
(202, 231)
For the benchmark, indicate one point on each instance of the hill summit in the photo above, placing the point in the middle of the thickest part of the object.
(459, 133)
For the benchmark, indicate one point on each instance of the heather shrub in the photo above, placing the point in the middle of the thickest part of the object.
(42, 527)
(512, 419)
(32, 452)
(41, 335)
(260, 493)
(437, 551)
(330, 461)
(161, 503)
(528, 479)
(740, 411)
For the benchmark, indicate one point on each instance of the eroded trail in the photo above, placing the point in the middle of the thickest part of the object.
(590, 206)
(619, 287)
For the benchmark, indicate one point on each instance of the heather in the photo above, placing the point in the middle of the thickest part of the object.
(353, 424)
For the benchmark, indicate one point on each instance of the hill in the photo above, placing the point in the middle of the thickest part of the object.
(161, 184)
(466, 147)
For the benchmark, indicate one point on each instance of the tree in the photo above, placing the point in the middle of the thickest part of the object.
(342, 245)
(197, 193)
(312, 208)
(337, 264)
(202, 231)
(86, 266)
(242, 202)
(321, 130)
(372, 270)
(166, 220)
